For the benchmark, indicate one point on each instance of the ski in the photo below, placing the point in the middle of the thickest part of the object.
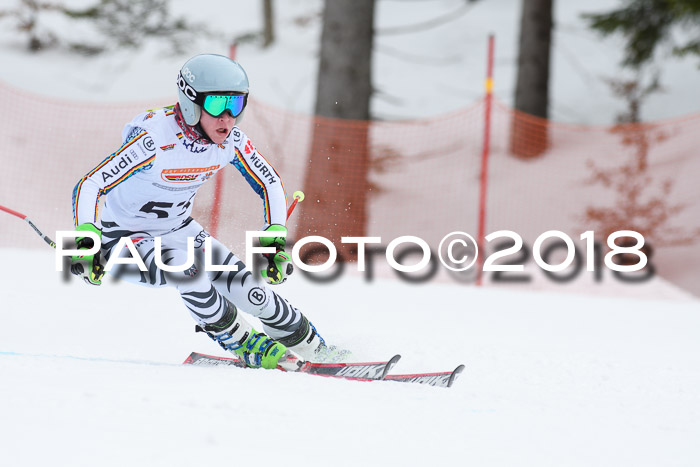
(364, 371)
(442, 379)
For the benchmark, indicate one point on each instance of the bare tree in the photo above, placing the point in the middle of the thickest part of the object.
(642, 199)
(114, 23)
(336, 177)
(532, 87)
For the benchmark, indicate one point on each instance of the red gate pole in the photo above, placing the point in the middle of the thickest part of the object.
(485, 160)
(219, 179)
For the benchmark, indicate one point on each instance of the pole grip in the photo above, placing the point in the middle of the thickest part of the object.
(298, 198)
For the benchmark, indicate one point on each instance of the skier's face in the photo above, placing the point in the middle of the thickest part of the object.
(217, 128)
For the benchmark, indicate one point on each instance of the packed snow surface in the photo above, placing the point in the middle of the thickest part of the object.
(93, 376)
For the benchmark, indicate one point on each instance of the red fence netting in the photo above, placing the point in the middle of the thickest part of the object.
(390, 179)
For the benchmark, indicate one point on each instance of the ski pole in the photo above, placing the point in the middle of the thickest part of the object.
(50, 242)
(298, 198)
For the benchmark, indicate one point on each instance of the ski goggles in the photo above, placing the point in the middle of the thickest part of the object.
(216, 104)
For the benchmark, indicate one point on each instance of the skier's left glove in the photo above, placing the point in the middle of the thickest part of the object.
(279, 264)
(89, 267)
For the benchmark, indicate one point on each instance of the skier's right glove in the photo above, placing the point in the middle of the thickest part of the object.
(279, 264)
(89, 267)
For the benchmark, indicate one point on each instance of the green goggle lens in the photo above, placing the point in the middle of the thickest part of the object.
(215, 104)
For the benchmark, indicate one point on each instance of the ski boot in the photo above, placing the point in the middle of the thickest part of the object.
(309, 345)
(257, 350)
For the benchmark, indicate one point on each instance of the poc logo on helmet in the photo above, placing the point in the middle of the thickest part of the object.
(186, 88)
(190, 76)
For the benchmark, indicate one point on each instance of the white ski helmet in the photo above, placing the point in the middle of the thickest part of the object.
(204, 74)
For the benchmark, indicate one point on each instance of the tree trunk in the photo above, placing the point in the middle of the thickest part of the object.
(336, 179)
(529, 136)
(344, 77)
(268, 23)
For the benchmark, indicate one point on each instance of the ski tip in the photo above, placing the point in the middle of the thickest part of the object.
(457, 371)
(390, 364)
(190, 358)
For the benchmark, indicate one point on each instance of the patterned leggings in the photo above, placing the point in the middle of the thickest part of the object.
(202, 292)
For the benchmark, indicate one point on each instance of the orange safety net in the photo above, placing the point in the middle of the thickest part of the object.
(390, 179)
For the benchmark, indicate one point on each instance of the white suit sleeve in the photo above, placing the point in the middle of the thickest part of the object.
(135, 155)
(262, 177)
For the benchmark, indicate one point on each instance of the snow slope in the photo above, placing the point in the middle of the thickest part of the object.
(91, 376)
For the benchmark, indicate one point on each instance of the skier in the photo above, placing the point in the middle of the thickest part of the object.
(149, 185)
